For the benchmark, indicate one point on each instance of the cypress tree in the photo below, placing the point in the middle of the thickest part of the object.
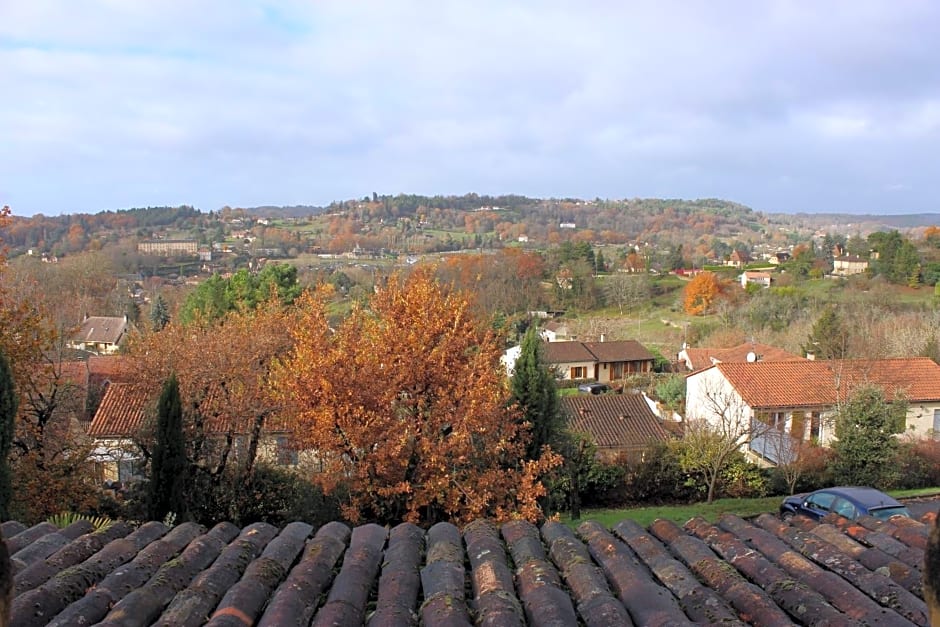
(533, 388)
(159, 313)
(168, 466)
(8, 405)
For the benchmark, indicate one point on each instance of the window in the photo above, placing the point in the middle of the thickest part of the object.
(579, 372)
(616, 370)
(936, 424)
(822, 501)
(844, 508)
(286, 455)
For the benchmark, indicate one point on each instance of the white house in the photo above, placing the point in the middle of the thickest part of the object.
(798, 399)
(757, 278)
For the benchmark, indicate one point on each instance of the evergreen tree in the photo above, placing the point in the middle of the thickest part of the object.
(829, 337)
(159, 313)
(168, 465)
(533, 388)
(8, 404)
(866, 449)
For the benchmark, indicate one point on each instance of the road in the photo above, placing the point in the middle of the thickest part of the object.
(919, 507)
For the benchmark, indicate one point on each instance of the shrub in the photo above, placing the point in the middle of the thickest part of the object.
(279, 496)
(659, 478)
(918, 462)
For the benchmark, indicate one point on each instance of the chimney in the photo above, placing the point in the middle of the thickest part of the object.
(603, 337)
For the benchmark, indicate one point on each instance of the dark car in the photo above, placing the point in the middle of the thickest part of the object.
(850, 502)
(593, 388)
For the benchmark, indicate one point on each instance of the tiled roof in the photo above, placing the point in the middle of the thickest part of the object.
(109, 367)
(763, 571)
(123, 409)
(619, 350)
(121, 412)
(603, 352)
(566, 352)
(702, 357)
(101, 329)
(807, 383)
(614, 420)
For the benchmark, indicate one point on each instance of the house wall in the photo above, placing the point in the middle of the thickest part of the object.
(923, 419)
(564, 370)
(605, 370)
(709, 384)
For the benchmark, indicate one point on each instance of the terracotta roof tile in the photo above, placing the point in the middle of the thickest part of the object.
(614, 420)
(121, 412)
(705, 357)
(807, 383)
(763, 571)
(124, 407)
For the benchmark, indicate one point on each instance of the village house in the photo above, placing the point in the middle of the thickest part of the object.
(785, 401)
(122, 420)
(739, 259)
(749, 277)
(101, 335)
(847, 265)
(169, 247)
(602, 361)
(557, 331)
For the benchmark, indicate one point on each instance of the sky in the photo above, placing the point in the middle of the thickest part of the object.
(785, 106)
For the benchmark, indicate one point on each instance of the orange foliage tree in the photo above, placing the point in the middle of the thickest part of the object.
(407, 408)
(48, 457)
(223, 368)
(700, 293)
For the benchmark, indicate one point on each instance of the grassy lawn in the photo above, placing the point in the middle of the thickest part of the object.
(679, 514)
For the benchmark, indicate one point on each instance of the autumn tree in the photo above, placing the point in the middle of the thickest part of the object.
(222, 367)
(407, 409)
(865, 447)
(8, 405)
(48, 458)
(622, 290)
(168, 465)
(700, 293)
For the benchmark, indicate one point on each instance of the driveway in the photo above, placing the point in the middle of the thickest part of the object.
(921, 506)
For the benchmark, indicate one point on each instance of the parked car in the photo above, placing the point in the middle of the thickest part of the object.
(593, 388)
(850, 501)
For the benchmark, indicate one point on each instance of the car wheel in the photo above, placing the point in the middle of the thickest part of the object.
(787, 515)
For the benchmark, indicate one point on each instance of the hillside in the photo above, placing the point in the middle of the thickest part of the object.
(439, 223)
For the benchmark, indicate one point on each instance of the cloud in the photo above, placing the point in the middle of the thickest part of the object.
(112, 104)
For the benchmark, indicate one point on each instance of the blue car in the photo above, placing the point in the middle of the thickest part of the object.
(850, 502)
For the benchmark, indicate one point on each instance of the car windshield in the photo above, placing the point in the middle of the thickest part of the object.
(884, 513)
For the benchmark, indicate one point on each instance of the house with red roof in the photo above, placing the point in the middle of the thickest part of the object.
(798, 399)
(125, 415)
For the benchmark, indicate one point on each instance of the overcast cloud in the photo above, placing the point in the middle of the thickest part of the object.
(783, 106)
